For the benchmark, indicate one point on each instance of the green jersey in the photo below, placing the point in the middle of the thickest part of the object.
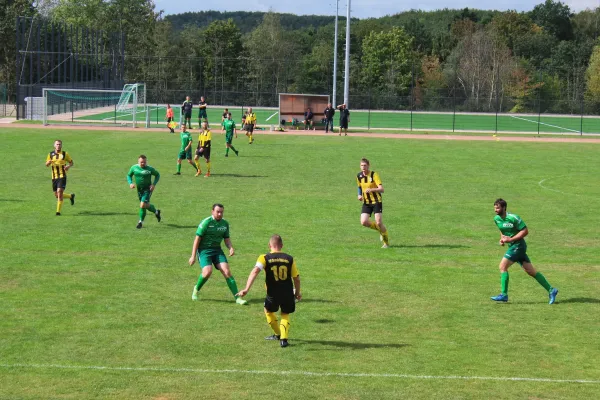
(510, 226)
(143, 176)
(229, 126)
(186, 139)
(212, 233)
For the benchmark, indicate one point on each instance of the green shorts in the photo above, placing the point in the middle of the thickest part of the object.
(228, 138)
(185, 155)
(517, 254)
(202, 114)
(208, 257)
(144, 195)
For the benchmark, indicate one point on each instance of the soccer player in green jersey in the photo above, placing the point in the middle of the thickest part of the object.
(207, 248)
(185, 152)
(513, 231)
(229, 126)
(143, 174)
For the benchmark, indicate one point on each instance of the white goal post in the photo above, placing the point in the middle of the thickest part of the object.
(126, 107)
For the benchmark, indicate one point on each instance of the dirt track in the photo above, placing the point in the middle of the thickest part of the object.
(415, 136)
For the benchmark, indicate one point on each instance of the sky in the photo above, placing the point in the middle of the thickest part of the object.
(359, 8)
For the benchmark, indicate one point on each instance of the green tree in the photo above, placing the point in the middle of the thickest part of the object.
(222, 50)
(592, 76)
(9, 10)
(555, 18)
(386, 61)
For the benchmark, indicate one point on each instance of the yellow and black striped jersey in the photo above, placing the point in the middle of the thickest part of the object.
(204, 138)
(279, 269)
(59, 160)
(369, 181)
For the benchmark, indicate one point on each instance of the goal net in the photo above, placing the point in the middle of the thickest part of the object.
(293, 106)
(125, 107)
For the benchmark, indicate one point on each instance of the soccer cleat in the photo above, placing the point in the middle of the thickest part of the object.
(139, 225)
(72, 199)
(241, 301)
(158, 217)
(284, 343)
(385, 246)
(237, 153)
(195, 293)
(198, 173)
(272, 337)
(58, 214)
(226, 155)
(207, 175)
(552, 295)
(501, 298)
(177, 173)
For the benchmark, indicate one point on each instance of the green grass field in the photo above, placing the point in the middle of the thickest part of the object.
(395, 120)
(94, 309)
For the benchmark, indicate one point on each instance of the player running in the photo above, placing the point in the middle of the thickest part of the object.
(143, 174)
(61, 162)
(230, 130)
(513, 231)
(370, 190)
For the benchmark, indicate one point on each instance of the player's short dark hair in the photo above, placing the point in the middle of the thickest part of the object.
(276, 240)
(229, 114)
(364, 160)
(501, 203)
(218, 205)
(227, 109)
(142, 156)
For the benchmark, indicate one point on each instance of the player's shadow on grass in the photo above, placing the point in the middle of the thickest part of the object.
(181, 226)
(240, 176)
(588, 300)
(349, 345)
(430, 246)
(311, 300)
(13, 200)
(99, 213)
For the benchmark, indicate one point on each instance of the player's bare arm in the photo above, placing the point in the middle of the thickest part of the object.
(192, 259)
(522, 233)
(251, 278)
(298, 294)
(229, 246)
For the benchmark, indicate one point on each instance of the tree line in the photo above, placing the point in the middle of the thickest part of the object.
(543, 60)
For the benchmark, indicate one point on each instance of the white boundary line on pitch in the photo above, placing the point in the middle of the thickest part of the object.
(543, 123)
(297, 373)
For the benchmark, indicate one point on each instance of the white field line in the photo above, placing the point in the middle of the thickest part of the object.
(543, 123)
(272, 116)
(297, 373)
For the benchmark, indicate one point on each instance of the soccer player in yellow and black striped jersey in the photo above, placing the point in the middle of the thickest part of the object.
(60, 161)
(370, 190)
(282, 277)
(250, 124)
(203, 149)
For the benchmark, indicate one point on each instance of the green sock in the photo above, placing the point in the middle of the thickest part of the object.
(193, 165)
(233, 148)
(232, 285)
(504, 282)
(142, 214)
(542, 281)
(152, 209)
(201, 282)
(178, 167)
(227, 151)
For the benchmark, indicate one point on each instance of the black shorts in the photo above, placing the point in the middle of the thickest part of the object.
(376, 208)
(187, 116)
(204, 153)
(169, 119)
(287, 303)
(60, 183)
(344, 123)
(202, 114)
(249, 128)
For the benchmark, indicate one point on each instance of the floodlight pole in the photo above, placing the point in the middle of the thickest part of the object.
(335, 51)
(347, 66)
